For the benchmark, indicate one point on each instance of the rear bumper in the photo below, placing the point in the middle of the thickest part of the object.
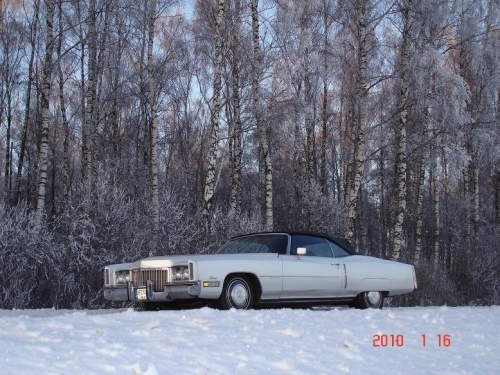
(172, 292)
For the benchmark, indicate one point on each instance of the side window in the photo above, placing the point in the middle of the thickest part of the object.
(337, 250)
(316, 246)
(276, 244)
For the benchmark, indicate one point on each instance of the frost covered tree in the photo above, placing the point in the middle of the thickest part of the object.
(214, 118)
(261, 126)
(45, 103)
(154, 121)
(400, 134)
(235, 131)
(89, 126)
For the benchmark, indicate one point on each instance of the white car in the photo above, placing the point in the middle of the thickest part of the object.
(263, 268)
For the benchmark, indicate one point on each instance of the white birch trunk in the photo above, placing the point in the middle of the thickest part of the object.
(496, 184)
(497, 179)
(358, 150)
(214, 121)
(309, 125)
(154, 125)
(235, 154)
(467, 198)
(475, 206)
(144, 158)
(324, 112)
(62, 103)
(436, 208)
(236, 191)
(114, 118)
(324, 135)
(46, 87)
(309, 112)
(297, 141)
(383, 204)
(261, 127)
(90, 98)
(401, 134)
(420, 209)
(8, 166)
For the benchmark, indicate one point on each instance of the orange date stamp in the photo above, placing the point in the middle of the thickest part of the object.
(382, 340)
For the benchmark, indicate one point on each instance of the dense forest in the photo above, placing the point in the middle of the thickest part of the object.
(133, 128)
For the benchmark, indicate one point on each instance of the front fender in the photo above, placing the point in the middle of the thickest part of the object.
(212, 274)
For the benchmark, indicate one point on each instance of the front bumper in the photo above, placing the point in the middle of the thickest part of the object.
(116, 293)
(171, 292)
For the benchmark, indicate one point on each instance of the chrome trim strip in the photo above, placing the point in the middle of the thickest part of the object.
(191, 270)
(345, 276)
(106, 276)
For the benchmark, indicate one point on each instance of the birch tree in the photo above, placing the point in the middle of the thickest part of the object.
(64, 117)
(154, 121)
(26, 117)
(117, 72)
(214, 119)
(45, 101)
(90, 105)
(361, 96)
(261, 128)
(420, 206)
(11, 53)
(327, 19)
(406, 13)
(434, 193)
(478, 34)
(235, 131)
(310, 73)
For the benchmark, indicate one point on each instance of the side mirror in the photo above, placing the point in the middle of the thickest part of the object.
(301, 251)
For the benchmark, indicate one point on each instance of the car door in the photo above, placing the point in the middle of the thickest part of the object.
(314, 275)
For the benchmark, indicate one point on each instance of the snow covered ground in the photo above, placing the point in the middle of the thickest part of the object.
(463, 340)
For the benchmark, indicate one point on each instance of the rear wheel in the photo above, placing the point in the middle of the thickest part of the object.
(369, 300)
(237, 293)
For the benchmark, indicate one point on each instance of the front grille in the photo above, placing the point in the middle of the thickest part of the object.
(158, 277)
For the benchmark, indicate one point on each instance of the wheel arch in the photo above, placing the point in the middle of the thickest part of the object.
(254, 280)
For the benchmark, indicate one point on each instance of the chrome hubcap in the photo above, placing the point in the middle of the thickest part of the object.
(373, 298)
(238, 294)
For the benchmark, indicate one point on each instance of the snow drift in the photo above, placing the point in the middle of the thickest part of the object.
(444, 340)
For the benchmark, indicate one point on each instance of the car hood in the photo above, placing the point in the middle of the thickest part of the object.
(178, 260)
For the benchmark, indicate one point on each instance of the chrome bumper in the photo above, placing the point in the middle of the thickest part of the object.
(188, 290)
(114, 293)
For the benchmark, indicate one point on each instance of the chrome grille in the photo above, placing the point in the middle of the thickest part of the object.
(158, 277)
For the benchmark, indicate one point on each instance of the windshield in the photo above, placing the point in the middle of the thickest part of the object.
(263, 243)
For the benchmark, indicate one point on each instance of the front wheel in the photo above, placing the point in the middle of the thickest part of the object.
(369, 300)
(237, 294)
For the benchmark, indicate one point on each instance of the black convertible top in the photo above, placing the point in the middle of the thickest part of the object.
(342, 242)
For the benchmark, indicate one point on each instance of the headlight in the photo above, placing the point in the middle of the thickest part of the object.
(180, 273)
(122, 277)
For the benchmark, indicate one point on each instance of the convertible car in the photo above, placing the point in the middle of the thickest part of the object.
(263, 268)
